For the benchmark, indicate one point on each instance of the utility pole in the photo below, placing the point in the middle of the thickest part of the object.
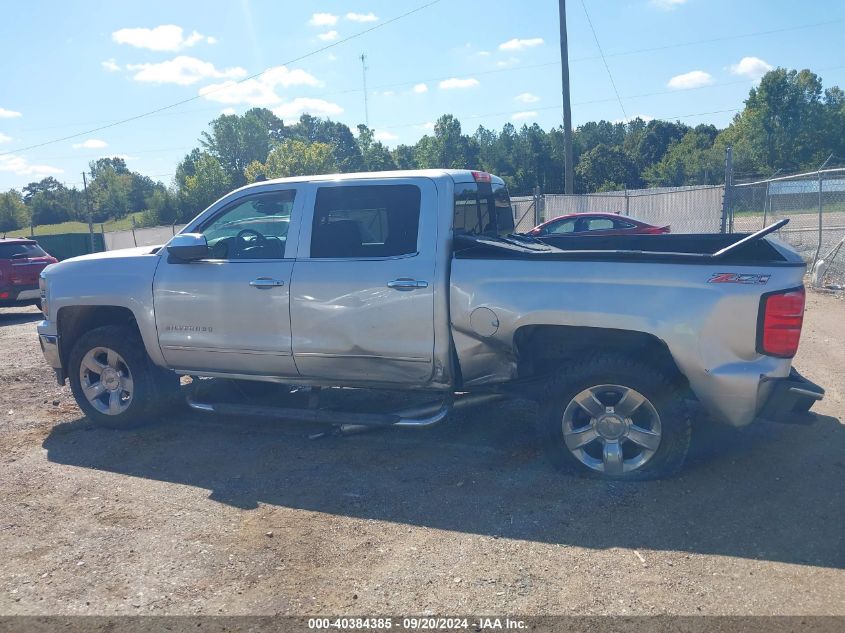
(364, 72)
(569, 167)
(727, 210)
(90, 214)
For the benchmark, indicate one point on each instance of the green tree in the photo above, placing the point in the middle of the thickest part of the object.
(346, 152)
(235, 141)
(109, 189)
(207, 182)
(293, 157)
(604, 168)
(691, 161)
(13, 213)
(50, 202)
(376, 156)
(783, 124)
(448, 148)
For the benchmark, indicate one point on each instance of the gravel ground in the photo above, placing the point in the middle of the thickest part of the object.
(204, 515)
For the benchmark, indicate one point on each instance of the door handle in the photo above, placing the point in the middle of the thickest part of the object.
(266, 282)
(406, 284)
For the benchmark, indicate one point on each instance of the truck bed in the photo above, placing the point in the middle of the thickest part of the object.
(735, 248)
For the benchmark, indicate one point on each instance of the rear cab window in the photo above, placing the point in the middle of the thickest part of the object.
(482, 207)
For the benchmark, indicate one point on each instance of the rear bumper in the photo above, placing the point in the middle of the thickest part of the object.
(790, 397)
(19, 295)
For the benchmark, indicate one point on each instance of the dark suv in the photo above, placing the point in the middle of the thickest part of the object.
(21, 261)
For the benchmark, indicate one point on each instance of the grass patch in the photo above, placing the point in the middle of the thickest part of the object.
(121, 224)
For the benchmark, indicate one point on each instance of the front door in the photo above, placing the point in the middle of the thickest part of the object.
(362, 295)
(230, 313)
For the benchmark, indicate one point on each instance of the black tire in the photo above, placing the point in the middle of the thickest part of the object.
(152, 387)
(663, 391)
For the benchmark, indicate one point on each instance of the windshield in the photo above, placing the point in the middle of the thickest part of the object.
(21, 249)
(482, 208)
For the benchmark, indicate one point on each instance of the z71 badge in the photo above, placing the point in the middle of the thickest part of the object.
(738, 278)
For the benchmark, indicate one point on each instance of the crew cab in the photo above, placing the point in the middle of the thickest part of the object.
(21, 262)
(414, 281)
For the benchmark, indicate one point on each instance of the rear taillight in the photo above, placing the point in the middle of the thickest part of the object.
(781, 318)
(481, 176)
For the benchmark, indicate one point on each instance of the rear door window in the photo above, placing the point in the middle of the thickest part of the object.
(599, 224)
(365, 221)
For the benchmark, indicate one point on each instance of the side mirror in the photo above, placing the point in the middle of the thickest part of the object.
(188, 247)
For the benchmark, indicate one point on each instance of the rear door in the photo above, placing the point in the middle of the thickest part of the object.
(362, 294)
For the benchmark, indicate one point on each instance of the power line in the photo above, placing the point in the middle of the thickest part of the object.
(718, 39)
(601, 52)
(482, 72)
(200, 96)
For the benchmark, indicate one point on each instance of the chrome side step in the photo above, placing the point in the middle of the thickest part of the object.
(347, 422)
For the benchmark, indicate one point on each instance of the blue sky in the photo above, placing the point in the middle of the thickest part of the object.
(70, 67)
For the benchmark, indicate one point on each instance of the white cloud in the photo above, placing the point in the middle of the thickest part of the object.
(428, 126)
(183, 71)
(526, 97)
(167, 37)
(692, 79)
(301, 105)
(454, 82)
(4, 138)
(328, 36)
(228, 111)
(420, 88)
(9, 114)
(517, 44)
(91, 143)
(323, 19)
(751, 67)
(385, 136)
(19, 166)
(507, 63)
(484, 53)
(260, 91)
(668, 5)
(518, 116)
(362, 17)
(110, 65)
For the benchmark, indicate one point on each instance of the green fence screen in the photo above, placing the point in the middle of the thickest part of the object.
(65, 245)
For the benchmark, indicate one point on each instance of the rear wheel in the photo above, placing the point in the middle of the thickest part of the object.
(616, 418)
(113, 380)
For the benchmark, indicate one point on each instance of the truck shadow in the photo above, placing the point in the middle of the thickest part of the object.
(18, 316)
(771, 492)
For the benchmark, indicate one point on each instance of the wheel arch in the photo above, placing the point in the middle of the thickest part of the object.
(74, 321)
(540, 349)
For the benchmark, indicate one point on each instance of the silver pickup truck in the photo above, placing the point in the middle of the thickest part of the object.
(415, 281)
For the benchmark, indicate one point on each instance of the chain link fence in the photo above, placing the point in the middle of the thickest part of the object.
(150, 236)
(814, 202)
(684, 209)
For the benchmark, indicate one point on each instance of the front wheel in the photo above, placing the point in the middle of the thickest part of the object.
(113, 380)
(616, 418)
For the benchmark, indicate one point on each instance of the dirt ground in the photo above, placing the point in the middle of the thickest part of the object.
(204, 515)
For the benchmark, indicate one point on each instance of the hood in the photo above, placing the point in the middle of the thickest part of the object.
(106, 261)
(120, 253)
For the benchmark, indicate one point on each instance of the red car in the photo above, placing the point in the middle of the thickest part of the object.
(21, 261)
(596, 224)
